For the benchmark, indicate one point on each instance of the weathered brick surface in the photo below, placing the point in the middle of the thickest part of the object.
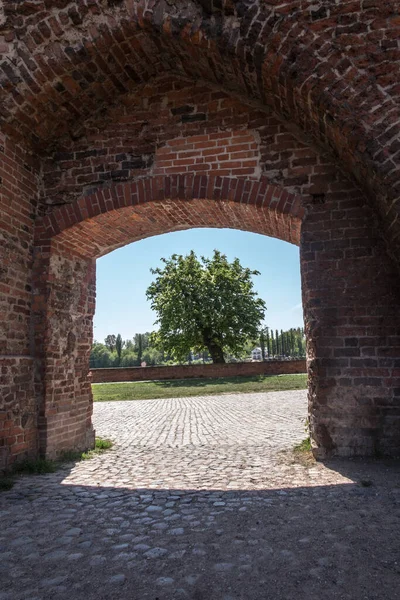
(18, 409)
(332, 68)
(19, 182)
(125, 107)
(223, 153)
(351, 295)
(149, 136)
(272, 367)
(126, 212)
(18, 201)
(64, 333)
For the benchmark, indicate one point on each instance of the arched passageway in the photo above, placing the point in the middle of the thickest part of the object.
(71, 238)
(341, 394)
(101, 102)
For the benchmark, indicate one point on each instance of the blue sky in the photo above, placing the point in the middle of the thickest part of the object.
(124, 275)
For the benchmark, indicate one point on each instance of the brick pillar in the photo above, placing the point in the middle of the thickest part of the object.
(18, 409)
(64, 305)
(352, 319)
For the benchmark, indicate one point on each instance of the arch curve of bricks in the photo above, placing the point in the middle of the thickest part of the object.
(117, 215)
(127, 119)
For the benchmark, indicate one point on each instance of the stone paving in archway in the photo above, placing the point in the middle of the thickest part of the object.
(200, 498)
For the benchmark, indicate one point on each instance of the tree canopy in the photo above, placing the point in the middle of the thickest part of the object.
(206, 303)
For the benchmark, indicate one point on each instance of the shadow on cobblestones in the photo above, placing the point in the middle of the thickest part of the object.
(201, 499)
(60, 539)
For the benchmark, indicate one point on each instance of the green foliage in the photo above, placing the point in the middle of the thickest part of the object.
(262, 343)
(148, 347)
(101, 444)
(302, 453)
(74, 456)
(152, 356)
(289, 343)
(140, 348)
(101, 356)
(110, 342)
(141, 341)
(304, 446)
(129, 359)
(204, 304)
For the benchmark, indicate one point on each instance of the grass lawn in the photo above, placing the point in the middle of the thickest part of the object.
(178, 388)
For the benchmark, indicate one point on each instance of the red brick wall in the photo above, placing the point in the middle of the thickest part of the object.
(18, 409)
(351, 299)
(223, 154)
(199, 371)
(18, 202)
(63, 314)
(151, 135)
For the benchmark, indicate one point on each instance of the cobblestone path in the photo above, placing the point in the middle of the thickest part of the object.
(200, 499)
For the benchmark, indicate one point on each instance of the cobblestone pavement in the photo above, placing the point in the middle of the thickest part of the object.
(200, 499)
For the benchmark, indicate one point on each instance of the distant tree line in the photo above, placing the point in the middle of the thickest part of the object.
(116, 352)
(289, 343)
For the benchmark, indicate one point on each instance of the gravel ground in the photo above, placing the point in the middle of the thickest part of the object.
(200, 498)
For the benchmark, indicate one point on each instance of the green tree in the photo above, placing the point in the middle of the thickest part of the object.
(292, 342)
(262, 343)
(100, 356)
(268, 341)
(146, 340)
(300, 346)
(110, 342)
(118, 346)
(206, 303)
(129, 346)
(139, 347)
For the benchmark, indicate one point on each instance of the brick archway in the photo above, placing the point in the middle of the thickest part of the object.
(346, 385)
(301, 99)
(68, 241)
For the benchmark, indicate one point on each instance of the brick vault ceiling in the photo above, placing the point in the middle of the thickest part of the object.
(331, 68)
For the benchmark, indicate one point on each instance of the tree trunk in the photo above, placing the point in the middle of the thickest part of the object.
(211, 343)
(216, 353)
